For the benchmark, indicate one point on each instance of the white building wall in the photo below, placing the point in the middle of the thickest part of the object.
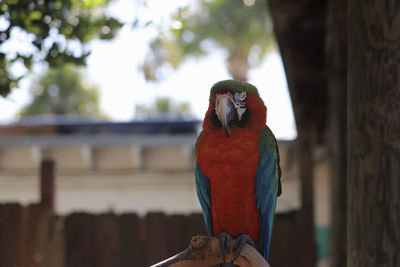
(128, 178)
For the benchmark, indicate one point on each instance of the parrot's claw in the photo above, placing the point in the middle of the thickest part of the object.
(225, 243)
(241, 241)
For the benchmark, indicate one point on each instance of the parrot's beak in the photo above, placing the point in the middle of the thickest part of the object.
(225, 111)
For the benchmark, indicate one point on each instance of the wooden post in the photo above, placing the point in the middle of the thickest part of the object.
(374, 134)
(300, 29)
(47, 184)
(337, 86)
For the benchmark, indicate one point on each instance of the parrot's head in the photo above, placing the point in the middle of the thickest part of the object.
(234, 104)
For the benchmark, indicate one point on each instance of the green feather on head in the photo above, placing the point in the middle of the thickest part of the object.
(233, 86)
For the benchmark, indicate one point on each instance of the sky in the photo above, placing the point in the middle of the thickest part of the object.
(114, 67)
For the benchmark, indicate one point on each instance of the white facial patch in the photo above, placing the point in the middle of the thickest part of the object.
(240, 103)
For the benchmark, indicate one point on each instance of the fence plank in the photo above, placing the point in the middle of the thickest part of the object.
(50, 239)
(132, 241)
(31, 250)
(79, 238)
(156, 237)
(11, 235)
(176, 228)
(107, 244)
(283, 235)
(195, 226)
(44, 238)
(287, 239)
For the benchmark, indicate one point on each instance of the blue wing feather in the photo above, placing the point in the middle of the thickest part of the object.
(266, 187)
(203, 193)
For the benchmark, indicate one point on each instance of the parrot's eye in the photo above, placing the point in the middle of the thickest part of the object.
(240, 103)
(240, 97)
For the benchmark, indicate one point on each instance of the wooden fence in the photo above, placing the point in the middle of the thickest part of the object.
(33, 236)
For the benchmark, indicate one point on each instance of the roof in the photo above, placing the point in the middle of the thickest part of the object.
(63, 126)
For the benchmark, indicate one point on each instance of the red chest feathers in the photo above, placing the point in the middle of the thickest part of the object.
(221, 157)
(231, 164)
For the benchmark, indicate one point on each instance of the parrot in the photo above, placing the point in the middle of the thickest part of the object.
(237, 171)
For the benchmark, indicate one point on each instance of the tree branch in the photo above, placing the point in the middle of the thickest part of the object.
(205, 251)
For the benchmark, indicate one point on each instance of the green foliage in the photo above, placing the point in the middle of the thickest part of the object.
(242, 28)
(54, 24)
(163, 107)
(63, 91)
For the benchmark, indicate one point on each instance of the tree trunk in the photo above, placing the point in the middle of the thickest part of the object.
(374, 134)
(337, 86)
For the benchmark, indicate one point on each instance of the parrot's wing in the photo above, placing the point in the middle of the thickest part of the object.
(267, 186)
(203, 193)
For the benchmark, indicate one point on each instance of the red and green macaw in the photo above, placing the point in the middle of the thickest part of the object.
(237, 168)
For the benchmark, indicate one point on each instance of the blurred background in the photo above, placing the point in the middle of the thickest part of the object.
(101, 104)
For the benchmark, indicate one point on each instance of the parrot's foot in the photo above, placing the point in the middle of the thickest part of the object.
(225, 240)
(241, 241)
